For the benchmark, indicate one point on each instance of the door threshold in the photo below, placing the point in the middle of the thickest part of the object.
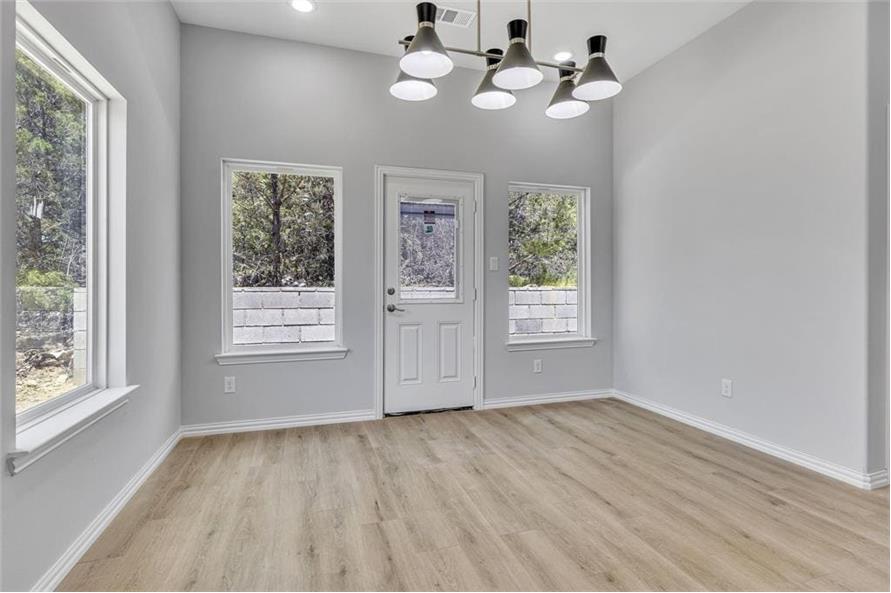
(436, 411)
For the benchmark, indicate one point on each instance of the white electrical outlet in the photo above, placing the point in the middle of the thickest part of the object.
(493, 264)
(536, 365)
(727, 387)
(228, 384)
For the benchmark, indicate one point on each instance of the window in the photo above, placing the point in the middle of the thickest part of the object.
(548, 296)
(70, 214)
(281, 240)
(428, 249)
(57, 154)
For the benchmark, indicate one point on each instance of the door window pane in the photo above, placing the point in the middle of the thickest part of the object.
(543, 263)
(52, 226)
(428, 250)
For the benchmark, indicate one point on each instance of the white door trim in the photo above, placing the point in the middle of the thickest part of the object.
(380, 172)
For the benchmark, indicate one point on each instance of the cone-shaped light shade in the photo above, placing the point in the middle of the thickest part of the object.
(410, 88)
(598, 80)
(517, 70)
(563, 105)
(489, 96)
(426, 57)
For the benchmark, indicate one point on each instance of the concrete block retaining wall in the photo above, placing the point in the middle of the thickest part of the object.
(542, 310)
(294, 315)
(51, 317)
(282, 315)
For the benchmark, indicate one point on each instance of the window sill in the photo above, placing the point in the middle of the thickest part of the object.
(549, 343)
(43, 435)
(268, 356)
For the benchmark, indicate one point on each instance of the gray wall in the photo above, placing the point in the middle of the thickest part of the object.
(741, 191)
(136, 47)
(877, 232)
(259, 98)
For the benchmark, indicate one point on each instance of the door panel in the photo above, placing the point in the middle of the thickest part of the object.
(450, 351)
(429, 325)
(410, 353)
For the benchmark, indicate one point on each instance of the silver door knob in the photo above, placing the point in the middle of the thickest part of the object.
(392, 308)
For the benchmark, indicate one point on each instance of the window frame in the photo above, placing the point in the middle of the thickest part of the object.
(582, 337)
(30, 42)
(37, 434)
(266, 353)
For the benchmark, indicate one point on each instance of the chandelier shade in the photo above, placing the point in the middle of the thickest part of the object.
(598, 81)
(488, 96)
(563, 105)
(410, 88)
(426, 57)
(518, 69)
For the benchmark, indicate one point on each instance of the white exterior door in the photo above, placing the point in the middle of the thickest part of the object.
(429, 300)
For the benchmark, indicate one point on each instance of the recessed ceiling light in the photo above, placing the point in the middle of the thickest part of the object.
(303, 5)
(562, 56)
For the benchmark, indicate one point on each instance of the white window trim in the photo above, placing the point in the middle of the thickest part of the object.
(548, 343)
(46, 426)
(582, 338)
(232, 354)
(47, 434)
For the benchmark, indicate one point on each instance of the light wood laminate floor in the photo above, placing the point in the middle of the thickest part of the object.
(595, 495)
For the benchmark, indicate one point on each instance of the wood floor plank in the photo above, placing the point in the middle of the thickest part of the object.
(594, 495)
(553, 570)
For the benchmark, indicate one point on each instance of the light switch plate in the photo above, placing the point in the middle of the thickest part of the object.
(228, 384)
(493, 264)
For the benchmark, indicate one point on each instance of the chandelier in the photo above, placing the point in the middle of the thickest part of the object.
(426, 59)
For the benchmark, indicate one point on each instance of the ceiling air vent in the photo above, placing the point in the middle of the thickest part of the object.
(454, 16)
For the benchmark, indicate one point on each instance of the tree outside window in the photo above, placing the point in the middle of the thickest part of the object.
(52, 266)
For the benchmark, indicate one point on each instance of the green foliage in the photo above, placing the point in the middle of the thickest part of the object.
(51, 145)
(542, 239)
(568, 281)
(517, 281)
(40, 278)
(282, 230)
(44, 291)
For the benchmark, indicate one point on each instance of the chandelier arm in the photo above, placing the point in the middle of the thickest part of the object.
(479, 24)
(482, 54)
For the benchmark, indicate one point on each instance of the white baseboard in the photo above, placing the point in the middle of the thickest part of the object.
(875, 480)
(547, 398)
(191, 430)
(865, 481)
(53, 577)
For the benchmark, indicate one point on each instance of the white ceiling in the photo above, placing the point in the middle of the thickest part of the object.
(639, 33)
